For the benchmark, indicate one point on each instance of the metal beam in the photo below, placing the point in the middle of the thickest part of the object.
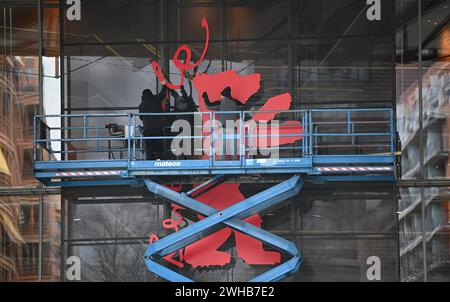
(26, 191)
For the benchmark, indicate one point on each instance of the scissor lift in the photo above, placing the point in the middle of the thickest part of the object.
(319, 145)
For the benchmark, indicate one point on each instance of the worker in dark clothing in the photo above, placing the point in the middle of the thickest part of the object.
(153, 124)
(226, 104)
(184, 103)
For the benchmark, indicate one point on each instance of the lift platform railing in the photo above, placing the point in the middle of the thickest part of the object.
(352, 131)
(292, 134)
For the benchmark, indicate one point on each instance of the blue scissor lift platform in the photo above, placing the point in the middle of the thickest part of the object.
(319, 145)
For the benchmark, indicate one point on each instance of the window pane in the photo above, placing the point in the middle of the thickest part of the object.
(436, 204)
(22, 238)
(438, 233)
(114, 21)
(436, 88)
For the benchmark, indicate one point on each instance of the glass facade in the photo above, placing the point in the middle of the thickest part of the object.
(422, 109)
(29, 213)
(58, 58)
